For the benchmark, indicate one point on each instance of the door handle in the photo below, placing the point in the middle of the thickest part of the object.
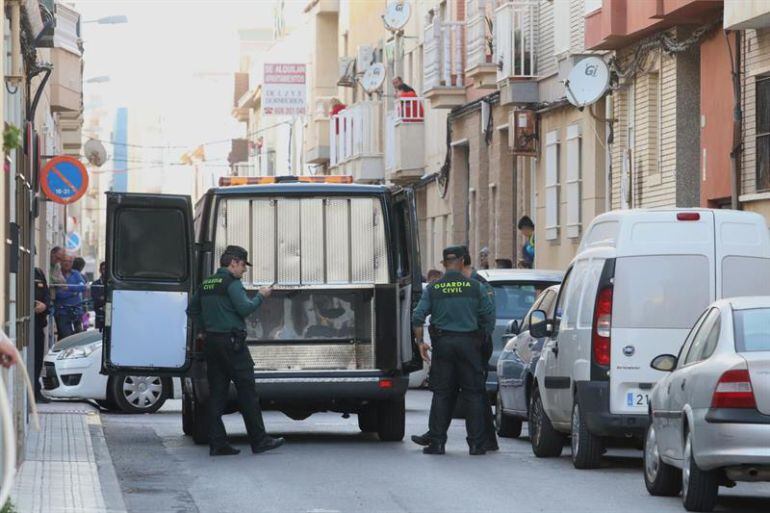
(684, 382)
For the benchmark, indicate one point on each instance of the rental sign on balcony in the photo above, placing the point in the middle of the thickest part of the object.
(283, 90)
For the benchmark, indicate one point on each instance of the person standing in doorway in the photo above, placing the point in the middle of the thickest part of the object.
(68, 305)
(219, 309)
(42, 304)
(527, 229)
(484, 258)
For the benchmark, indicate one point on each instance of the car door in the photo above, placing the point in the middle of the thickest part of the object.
(529, 350)
(408, 274)
(150, 277)
(511, 364)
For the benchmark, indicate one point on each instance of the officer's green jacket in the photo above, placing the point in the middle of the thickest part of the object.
(490, 291)
(221, 304)
(456, 303)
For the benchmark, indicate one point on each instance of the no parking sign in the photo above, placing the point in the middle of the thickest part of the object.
(64, 180)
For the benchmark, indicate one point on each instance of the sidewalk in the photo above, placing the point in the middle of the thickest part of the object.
(67, 467)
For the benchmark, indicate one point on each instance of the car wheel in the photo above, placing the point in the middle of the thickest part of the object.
(546, 441)
(140, 394)
(507, 426)
(391, 417)
(367, 418)
(660, 478)
(699, 487)
(586, 447)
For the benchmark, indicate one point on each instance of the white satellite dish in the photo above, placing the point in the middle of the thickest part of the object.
(373, 78)
(588, 81)
(95, 153)
(396, 15)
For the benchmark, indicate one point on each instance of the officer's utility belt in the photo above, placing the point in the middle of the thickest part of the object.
(236, 338)
(436, 332)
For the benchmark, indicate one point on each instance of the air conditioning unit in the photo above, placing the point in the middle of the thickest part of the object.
(365, 58)
(347, 72)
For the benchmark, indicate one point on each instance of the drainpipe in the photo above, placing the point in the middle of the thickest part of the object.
(735, 154)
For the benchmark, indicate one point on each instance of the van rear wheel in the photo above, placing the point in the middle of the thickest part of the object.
(391, 417)
(187, 414)
(200, 424)
(586, 447)
(546, 441)
(367, 418)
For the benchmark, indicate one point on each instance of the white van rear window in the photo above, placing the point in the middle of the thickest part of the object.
(667, 291)
(745, 276)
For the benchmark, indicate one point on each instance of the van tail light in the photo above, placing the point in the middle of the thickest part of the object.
(734, 391)
(688, 216)
(386, 383)
(602, 327)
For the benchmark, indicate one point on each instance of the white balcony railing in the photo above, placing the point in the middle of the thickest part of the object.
(410, 110)
(515, 40)
(356, 132)
(478, 15)
(443, 54)
(404, 138)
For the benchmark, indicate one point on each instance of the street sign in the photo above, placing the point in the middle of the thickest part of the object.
(64, 180)
(283, 90)
(72, 242)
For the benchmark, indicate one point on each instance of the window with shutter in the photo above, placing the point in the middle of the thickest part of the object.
(552, 185)
(573, 180)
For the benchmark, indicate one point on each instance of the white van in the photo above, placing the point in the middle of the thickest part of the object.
(639, 281)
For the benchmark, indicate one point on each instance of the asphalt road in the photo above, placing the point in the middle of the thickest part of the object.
(328, 466)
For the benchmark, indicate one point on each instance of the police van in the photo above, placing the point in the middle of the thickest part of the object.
(335, 335)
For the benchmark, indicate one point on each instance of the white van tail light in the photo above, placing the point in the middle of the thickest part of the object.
(688, 216)
(734, 391)
(602, 327)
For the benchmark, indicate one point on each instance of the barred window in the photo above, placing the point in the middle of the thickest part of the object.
(763, 132)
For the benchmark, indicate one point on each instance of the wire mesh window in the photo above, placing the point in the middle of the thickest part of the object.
(763, 133)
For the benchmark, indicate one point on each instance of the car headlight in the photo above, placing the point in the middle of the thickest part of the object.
(79, 351)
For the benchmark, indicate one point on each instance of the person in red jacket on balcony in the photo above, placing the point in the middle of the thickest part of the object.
(410, 111)
(335, 107)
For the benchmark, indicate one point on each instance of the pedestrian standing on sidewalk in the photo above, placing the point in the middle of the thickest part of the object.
(42, 307)
(55, 277)
(79, 264)
(458, 307)
(220, 308)
(68, 305)
(99, 297)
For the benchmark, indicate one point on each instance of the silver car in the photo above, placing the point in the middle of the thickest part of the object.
(710, 414)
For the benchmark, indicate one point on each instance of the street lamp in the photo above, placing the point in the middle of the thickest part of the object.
(109, 20)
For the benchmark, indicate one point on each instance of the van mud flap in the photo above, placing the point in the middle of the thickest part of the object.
(386, 327)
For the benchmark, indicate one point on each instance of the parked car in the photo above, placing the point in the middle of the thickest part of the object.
(710, 414)
(516, 368)
(638, 283)
(515, 291)
(71, 370)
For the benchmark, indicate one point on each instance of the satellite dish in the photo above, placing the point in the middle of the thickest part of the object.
(373, 78)
(588, 81)
(95, 152)
(396, 15)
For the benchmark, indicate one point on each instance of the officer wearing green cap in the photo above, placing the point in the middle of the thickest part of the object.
(461, 312)
(219, 309)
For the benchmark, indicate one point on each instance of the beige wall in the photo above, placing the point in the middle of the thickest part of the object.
(557, 253)
(742, 13)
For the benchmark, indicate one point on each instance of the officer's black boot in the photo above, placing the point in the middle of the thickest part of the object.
(226, 450)
(477, 450)
(434, 448)
(422, 439)
(268, 443)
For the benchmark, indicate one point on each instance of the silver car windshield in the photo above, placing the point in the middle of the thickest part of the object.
(752, 330)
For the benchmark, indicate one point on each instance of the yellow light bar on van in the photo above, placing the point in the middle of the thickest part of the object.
(326, 179)
(227, 181)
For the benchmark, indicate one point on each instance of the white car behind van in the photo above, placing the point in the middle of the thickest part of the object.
(638, 283)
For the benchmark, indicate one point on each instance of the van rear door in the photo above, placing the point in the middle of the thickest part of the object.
(408, 274)
(742, 251)
(664, 279)
(149, 282)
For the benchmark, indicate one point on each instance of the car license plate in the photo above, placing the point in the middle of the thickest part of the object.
(637, 398)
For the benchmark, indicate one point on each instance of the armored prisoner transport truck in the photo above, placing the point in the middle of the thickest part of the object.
(334, 336)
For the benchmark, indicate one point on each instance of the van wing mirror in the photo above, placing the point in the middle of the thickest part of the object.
(664, 362)
(538, 324)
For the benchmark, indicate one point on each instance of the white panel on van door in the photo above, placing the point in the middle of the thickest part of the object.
(742, 254)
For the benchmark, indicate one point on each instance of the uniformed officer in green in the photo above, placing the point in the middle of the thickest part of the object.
(219, 309)
(461, 311)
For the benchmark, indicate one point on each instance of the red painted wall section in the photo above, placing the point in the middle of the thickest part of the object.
(716, 107)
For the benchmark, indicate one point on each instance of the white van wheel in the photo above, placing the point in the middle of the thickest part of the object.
(660, 478)
(699, 487)
(586, 447)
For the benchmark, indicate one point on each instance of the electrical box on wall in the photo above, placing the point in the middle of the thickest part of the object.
(522, 133)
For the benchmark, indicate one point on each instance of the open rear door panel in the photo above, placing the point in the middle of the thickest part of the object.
(149, 282)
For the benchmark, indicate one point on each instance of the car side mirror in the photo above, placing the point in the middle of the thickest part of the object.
(664, 362)
(513, 327)
(538, 324)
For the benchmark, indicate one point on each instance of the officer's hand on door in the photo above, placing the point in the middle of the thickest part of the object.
(265, 292)
(424, 348)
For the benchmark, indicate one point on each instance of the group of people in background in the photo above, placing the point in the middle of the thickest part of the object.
(65, 296)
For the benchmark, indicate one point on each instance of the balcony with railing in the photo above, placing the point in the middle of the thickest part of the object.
(515, 40)
(405, 141)
(479, 65)
(355, 142)
(317, 133)
(443, 67)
